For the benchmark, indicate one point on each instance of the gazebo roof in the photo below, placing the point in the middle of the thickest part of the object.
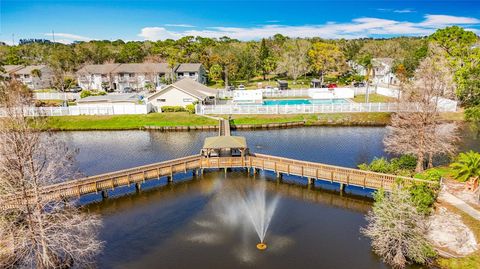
(220, 142)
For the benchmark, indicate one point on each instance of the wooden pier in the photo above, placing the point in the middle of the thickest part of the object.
(213, 157)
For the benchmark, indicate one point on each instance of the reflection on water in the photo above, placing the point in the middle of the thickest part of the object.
(104, 151)
(179, 226)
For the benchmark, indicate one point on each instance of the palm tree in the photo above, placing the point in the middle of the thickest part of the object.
(367, 62)
(466, 166)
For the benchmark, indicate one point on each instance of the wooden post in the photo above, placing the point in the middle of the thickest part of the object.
(279, 175)
(104, 194)
(170, 179)
(138, 186)
(342, 187)
(310, 181)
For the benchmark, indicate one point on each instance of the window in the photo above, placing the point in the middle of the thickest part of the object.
(161, 100)
(188, 100)
(192, 74)
(131, 75)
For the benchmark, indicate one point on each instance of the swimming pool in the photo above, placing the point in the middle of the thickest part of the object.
(304, 102)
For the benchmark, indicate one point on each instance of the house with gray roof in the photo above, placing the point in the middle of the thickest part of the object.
(194, 71)
(96, 76)
(184, 92)
(35, 77)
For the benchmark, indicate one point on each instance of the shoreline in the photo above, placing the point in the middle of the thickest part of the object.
(182, 122)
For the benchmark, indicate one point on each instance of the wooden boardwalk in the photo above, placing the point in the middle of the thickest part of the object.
(224, 128)
(197, 163)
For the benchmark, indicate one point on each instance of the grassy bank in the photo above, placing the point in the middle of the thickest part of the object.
(374, 98)
(126, 122)
(346, 119)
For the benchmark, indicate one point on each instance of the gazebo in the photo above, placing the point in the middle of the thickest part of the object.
(224, 146)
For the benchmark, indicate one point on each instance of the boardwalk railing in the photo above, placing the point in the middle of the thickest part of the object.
(314, 108)
(279, 165)
(338, 174)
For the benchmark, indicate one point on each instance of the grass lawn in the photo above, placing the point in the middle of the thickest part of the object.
(471, 261)
(374, 98)
(125, 122)
(316, 119)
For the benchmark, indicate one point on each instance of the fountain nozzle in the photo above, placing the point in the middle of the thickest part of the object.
(261, 246)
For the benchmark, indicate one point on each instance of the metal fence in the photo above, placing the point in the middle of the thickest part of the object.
(313, 108)
(56, 95)
(80, 110)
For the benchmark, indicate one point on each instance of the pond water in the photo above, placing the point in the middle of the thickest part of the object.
(177, 225)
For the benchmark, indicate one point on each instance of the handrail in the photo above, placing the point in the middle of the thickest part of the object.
(300, 162)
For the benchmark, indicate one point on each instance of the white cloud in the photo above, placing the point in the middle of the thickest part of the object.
(445, 20)
(158, 33)
(181, 25)
(405, 10)
(273, 21)
(359, 27)
(67, 38)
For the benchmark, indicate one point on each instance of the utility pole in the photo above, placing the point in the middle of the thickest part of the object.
(13, 39)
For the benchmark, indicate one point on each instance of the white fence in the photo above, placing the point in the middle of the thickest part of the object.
(312, 108)
(223, 94)
(82, 110)
(56, 95)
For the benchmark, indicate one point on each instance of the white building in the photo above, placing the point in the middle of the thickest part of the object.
(114, 104)
(137, 76)
(181, 93)
(336, 93)
(193, 71)
(382, 70)
(248, 96)
(35, 77)
(96, 76)
(145, 76)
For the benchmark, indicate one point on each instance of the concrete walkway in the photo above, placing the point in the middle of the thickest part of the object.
(445, 196)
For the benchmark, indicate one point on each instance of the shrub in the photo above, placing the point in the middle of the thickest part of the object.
(190, 108)
(85, 93)
(173, 109)
(404, 165)
(423, 196)
(466, 166)
(397, 229)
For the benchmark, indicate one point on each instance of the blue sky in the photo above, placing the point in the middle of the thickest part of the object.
(245, 20)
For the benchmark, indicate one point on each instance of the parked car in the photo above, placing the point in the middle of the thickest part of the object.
(359, 84)
(74, 89)
(241, 87)
(332, 85)
(230, 88)
(127, 90)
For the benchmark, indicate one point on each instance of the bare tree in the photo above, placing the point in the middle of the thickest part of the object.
(398, 230)
(421, 132)
(38, 233)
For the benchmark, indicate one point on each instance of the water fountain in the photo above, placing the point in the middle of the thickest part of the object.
(247, 208)
(259, 210)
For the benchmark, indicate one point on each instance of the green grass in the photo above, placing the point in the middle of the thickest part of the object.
(125, 122)
(374, 98)
(316, 119)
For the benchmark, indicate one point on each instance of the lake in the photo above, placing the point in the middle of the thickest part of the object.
(178, 225)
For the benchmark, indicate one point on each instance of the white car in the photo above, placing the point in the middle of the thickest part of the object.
(241, 87)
